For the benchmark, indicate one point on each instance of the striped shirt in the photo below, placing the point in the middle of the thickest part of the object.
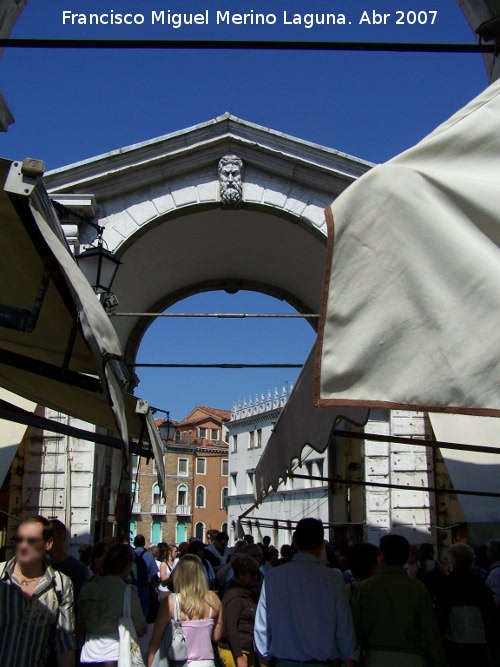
(28, 627)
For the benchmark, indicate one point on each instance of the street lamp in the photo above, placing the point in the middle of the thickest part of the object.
(98, 265)
(167, 429)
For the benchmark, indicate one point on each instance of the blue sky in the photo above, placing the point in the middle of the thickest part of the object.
(71, 105)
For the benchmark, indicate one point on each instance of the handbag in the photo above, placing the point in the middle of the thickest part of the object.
(173, 644)
(129, 654)
(178, 649)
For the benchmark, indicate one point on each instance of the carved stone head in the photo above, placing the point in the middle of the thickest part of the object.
(231, 180)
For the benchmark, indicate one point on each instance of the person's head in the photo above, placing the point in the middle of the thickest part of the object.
(221, 541)
(286, 551)
(118, 560)
(245, 570)
(33, 540)
(155, 552)
(139, 541)
(171, 553)
(96, 555)
(362, 559)
(182, 549)
(273, 556)
(414, 554)
(239, 547)
(426, 552)
(162, 546)
(462, 556)
(394, 550)
(309, 536)
(493, 550)
(248, 538)
(59, 533)
(84, 551)
(197, 548)
(255, 552)
(266, 540)
(211, 535)
(190, 581)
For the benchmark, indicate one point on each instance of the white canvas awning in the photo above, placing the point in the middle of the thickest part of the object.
(411, 301)
(57, 345)
(300, 424)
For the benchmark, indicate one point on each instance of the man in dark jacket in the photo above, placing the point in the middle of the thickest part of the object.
(239, 606)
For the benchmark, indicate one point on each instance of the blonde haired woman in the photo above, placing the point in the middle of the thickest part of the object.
(200, 612)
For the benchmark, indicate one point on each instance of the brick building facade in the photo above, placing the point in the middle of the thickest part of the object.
(197, 473)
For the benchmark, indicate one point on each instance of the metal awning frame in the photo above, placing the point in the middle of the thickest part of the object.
(13, 413)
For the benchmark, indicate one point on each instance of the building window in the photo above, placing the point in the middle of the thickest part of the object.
(251, 439)
(214, 434)
(156, 495)
(259, 437)
(135, 492)
(320, 465)
(225, 467)
(201, 466)
(199, 531)
(234, 476)
(155, 470)
(235, 443)
(202, 432)
(180, 531)
(223, 528)
(133, 530)
(250, 482)
(223, 502)
(182, 467)
(182, 495)
(177, 437)
(309, 468)
(156, 531)
(200, 496)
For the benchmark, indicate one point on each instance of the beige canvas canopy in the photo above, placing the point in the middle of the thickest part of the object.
(411, 297)
(300, 424)
(57, 345)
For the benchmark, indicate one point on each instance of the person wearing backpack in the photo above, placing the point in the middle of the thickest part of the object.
(36, 602)
(144, 573)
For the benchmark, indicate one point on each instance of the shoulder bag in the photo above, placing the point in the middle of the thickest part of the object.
(129, 653)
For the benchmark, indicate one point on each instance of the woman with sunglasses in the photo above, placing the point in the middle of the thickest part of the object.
(236, 648)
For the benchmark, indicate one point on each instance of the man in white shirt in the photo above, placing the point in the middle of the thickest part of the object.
(303, 615)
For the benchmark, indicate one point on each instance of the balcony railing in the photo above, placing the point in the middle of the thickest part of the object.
(158, 508)
(136, 508)
(183, 510)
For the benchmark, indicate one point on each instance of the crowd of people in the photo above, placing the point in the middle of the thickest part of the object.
(202, 604)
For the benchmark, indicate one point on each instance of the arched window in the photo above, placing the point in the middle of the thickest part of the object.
(180, 531)
(182, 494)
(177, 437)
(224, 528)
(223, 499)
(156, 531)
(156, 495)
(200, 531)
(135, 492)
(200, 496)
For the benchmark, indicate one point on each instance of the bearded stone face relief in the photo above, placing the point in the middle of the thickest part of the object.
(231, 180)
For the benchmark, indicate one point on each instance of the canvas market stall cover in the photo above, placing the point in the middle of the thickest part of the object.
(57, 345)
(411, 302)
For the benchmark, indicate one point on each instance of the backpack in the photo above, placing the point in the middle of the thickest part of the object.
(139, 572)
